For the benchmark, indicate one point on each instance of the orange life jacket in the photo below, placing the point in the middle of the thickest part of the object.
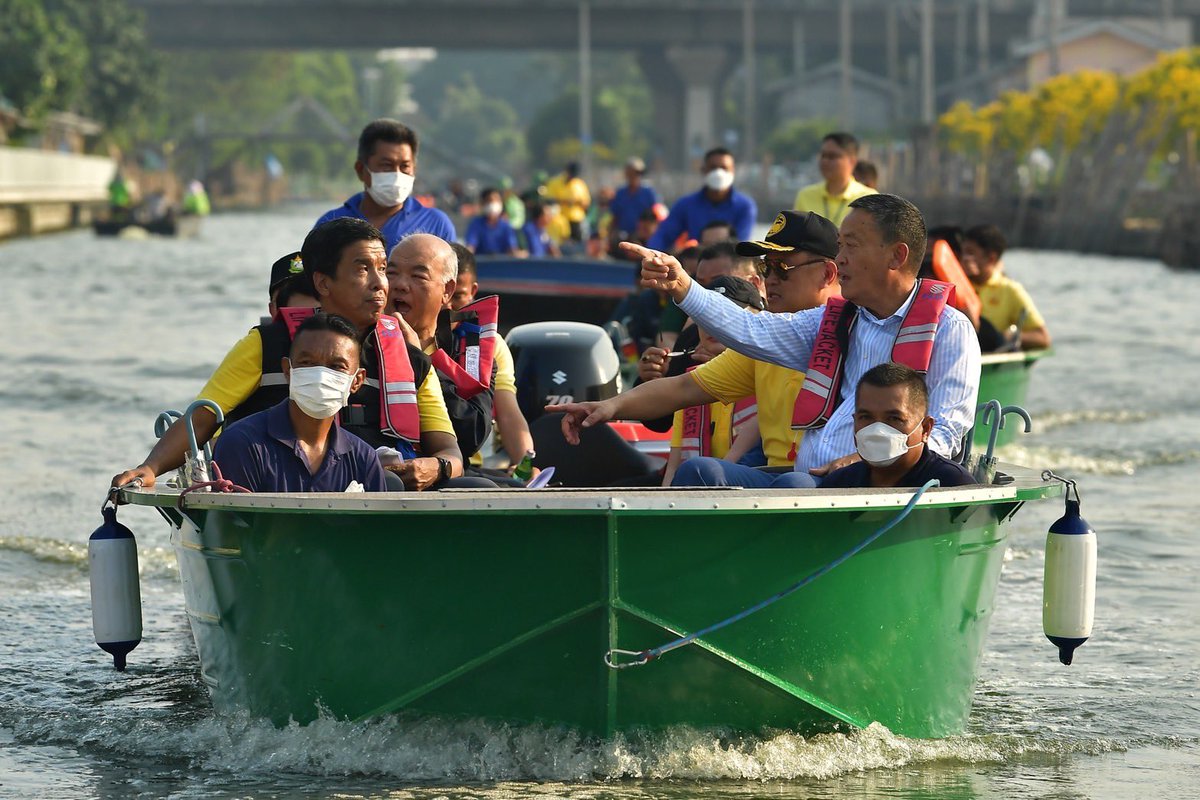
(399, 415)
(821, 390)
(475, 336)
(947, 268)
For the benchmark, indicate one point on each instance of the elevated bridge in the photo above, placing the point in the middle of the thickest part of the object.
(687, 49)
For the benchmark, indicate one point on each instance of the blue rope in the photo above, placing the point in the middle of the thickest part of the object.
(646, 656)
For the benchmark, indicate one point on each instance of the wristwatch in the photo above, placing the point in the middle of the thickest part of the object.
(444, 468)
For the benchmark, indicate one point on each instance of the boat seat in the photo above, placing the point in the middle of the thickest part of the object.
(602, 457)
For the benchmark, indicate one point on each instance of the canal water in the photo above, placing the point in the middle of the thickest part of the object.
(99, 335)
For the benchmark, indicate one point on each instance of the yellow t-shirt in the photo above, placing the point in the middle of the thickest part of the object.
(506, 371)
(834, 207)
(238, 374)
(731, 376)
(572, 195)
(1003, 300)
(722, 431)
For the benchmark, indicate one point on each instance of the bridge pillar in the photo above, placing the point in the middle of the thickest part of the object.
(702, 71)
(685, 84)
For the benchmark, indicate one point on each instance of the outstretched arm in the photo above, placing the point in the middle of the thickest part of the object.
(784, 339)
(647, 401)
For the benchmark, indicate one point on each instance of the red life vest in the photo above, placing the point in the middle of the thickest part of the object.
(475, 347)
(399, 415)
(821, 390)
(697, 436)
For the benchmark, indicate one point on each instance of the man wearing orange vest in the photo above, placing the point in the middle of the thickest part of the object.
(345, 260)
(886, 315)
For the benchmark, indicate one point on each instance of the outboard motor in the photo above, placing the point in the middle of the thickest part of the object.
(562, 362)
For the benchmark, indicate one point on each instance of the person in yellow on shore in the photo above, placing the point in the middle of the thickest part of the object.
(572, 195)
(1005, 303)
(719, 429)
(832, 196)
(513, 428)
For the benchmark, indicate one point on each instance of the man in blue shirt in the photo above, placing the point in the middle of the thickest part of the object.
(387, 166)
(717, 201)
(489, 233)
(534, 237)
(295, 446)
(891, 410)
(632, 200)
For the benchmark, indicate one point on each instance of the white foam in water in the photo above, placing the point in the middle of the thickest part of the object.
(153, 562)
(439, 751)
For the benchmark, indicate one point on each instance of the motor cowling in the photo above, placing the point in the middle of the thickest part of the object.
(116, 595)
(562, 362)
(1069, 584)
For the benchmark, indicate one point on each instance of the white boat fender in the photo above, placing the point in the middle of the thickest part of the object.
(116, 595)
(1069, 584)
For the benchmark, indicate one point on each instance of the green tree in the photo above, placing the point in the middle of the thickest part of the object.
(797, 140)
(40, 60)
(119, 71)
(474, 124)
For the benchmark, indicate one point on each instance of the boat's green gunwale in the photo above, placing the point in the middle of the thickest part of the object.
(1027, 485)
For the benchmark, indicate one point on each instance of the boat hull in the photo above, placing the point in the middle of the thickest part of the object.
(575, 290)
(476, 607)
(1004, 377)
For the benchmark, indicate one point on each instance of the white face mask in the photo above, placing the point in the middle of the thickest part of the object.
(492, 209)
(718, 179)
(320, 392)
(390, 189)
(881, 445)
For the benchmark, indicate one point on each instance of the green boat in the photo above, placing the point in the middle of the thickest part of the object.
(503, 604)
(1004, 377)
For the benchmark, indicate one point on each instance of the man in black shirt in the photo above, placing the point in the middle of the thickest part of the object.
(891, 425)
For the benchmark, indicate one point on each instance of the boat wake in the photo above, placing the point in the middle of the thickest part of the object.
(472, 752)
(153, 562)
(1050, 420)
(1062, 459)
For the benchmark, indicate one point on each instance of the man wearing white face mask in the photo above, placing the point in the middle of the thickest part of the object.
(490, 233)
(295, 446)
(891, 426)
(718, 201)
(387, 167)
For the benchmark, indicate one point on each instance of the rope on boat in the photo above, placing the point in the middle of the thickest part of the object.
(646, 656)
(219, 484)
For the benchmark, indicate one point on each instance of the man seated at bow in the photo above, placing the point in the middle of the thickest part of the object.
(399, 405)
(886, 315)
(295, 446)
(891, 431)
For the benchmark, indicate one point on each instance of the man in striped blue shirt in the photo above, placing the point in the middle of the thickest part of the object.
(881, 244)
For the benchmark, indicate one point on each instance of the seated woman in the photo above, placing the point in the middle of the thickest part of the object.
(294, 446)
(891, 408)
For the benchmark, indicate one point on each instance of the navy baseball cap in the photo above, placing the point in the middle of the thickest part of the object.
(796, 230)
(285, 268)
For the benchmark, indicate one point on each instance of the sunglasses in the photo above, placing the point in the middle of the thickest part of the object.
(781, 269)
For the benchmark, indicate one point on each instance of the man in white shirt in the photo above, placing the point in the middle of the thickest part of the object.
(881, 244)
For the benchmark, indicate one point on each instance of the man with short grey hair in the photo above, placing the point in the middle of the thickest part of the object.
(421, 273)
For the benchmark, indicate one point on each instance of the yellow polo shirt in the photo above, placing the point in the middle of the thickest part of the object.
(1003, 299)
(572, 194)
(238, 374)
(832, 207)
(731, 376)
